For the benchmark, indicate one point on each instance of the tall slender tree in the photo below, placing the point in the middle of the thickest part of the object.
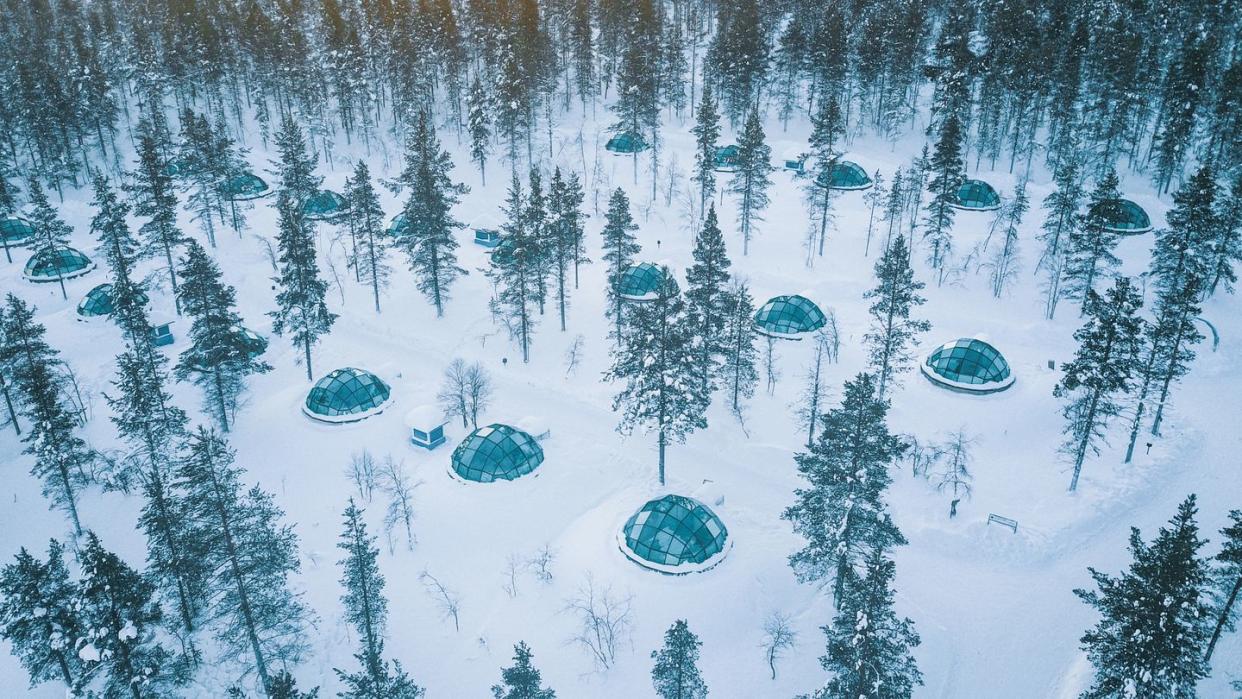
(706, 299)
(39, 616)
(301, 309)
(753, 178)
(894, 334)
(675, 674)
(365, 220)
(620, 247)
(51, 234)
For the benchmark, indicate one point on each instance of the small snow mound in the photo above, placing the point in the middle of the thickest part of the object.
(89, 653)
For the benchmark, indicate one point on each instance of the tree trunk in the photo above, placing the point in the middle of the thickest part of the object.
(1081, 453)
(1223, 618)
(662, 441)
(8, 403)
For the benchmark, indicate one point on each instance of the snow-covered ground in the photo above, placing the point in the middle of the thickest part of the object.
(995, 609)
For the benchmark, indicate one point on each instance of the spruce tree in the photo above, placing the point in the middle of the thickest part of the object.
(565, 235)
(50, 233)
(707, 301)
(675, 674)
(751, 182)
(302, 312)
(480, 125)
(295, 165)
(365, 218)
(429, 245)
(1004, 262)
(1226, 249)
(662, 388)
(828, 131)
(366, 609)
(841, 511)
(894, 334)
(155, 198)
(9, 363)
(946, 178)
(220, 355)
(1089, 253)
(620, 247)
(737, 370)
(1227, 576)
(120, 619)
(516, 270)
(869, 646)
(1100, 374)
(39, 616)
(522, 680)
(1062, 221)
(706, 133)
(249, 555)
(1155, 619)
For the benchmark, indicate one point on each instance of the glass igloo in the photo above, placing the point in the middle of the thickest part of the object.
(968, 365)
(496, 453)
(640, 282)
(98, 302)
(789, 317)
(977, 195)
(347, 395)
(1123, 216)
(398, 226)
(675, 535)
(324, 205)
(627, 142)
(16, 231)
(57, 264)
(245, 186)
(845, 175)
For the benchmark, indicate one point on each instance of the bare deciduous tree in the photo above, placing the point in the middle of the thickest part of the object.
(466, 391)
(604, 620)
(573, 356)
(922, 456)
(393, 480)
(362, 472)
(513, 568)
(955, 476)
(541, 564)
(447, 600)
(778, 637)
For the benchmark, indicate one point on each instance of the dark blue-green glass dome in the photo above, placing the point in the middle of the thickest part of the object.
(245, 186)
(398, 226)
(846, 175)
(726, 158)
(496, 453)
(640, 282)
(789, 317)
(626, 142)
(347, 395)
(16, 231)
(969, 365)
(1123, 216)
(98, 302)
(324, 205)
(674, 534)
(976, 195)
(56, 264)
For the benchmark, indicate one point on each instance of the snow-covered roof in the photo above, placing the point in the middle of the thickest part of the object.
(425, 417)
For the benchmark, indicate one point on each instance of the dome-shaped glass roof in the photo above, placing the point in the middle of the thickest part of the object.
(398, 226)
(245, 186)
(674, 534)
(98, 302)
(325, 204)
(1123, 216)
(16, 231)
(789, 316)
(496, 453)
(726, 158)
(845, 174)
(977, 195)
(54, 264)
(968, 365)
(626, 142)
(640, 282)
(347, 395)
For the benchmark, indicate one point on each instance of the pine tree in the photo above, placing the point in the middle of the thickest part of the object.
(1089, 252)
(283, 686)
(1227, 244)
(205, 173)
(894, 334)
(430, 245)
(249, 556)
(656, 360)
(366, 609)
(751, 182)
(894, 207)
(1227, 575)
(841, 513)
(155, 198)
(120, 618)
(9, 365)
(707, 301)
(1154, 621)
(8, 205)
(1003, 265)
(829, 129)
(675, 674)
(874, 198)
(301, 312)
(542, 240)
(370, 260)
(1108, 347)
(738, 367)
(39, 617)
(565, 235)
(50, 233)
(480, 126)
(947, 176)
(221, 355)
(706, 133)
(295, 165)
(869, 646)
(1182, 98)
(1062, 207)
(522, 681)
(516, 270)
(620, 247)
